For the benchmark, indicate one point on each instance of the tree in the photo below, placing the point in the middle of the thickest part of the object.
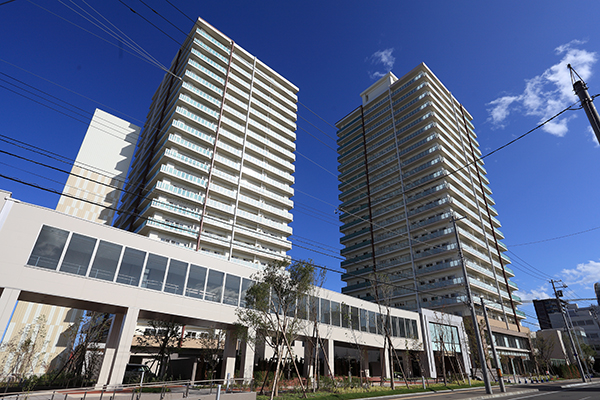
(23, 351)
(211, 342)
(166, 338)
(86, 358)
(270, 312)
(542, 347)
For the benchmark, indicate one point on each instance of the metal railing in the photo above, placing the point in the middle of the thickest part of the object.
(149, 391)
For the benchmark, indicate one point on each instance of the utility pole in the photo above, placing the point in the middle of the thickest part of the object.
(580, 89)
(486, 379)
(493, 345)
(568, 330)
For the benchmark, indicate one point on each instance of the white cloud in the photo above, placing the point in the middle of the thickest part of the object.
(548, 93)
(383, 58)
(534, 294)
(584, 274)
(593, 135)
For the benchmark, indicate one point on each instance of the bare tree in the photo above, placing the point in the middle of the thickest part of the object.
(271, 313)
(22, 353)
(542, 347)
(212, 342)
(162, 339)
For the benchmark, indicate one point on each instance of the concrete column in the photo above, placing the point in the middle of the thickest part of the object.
(384, 354)
(229, 355)
(330, 352)
(365, 362)
(308, 359)
(117, 349)
(247, 365)
(8, 302)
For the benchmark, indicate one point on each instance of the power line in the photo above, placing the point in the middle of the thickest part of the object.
(555, 238)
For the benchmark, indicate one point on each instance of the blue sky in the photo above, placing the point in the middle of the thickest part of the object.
(505, 61)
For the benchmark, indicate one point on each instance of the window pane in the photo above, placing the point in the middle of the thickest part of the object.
(414, 331)
(106, 261)
(232, 290)
(401, 328)
(302, 308)
(131, 267)
(345, 316)
(214, 286)
(354, 317)
(313, 311)
(154, 274)
(363, 320)
(176, 277)
(78, 256)
(335, 313)
(395, 326)
(246, 283)
(325, 316)
(372, 322)
(196, 281)
(48, 248)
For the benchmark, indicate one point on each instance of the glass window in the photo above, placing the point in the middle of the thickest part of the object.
(246, 283)
(380, 327)
(131, 268)
(401, 328)
(325, 312)
(314, 308)
(106, 261)
(176, 277)
(196, 281)
(363, 320)
(154, 274)
(354, 317)
(414, 330)
(345, 316)
(78, 255)
(335, 313)
(48, 247)
(302, 308)
(395, 326)
(214, 286)
(291, 309)
(232, 290)
(372, 322)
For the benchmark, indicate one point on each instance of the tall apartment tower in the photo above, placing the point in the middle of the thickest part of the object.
(406, 167)
(213, 167)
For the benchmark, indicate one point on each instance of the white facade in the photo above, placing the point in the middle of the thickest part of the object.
(94, 186)
(65, 261)
(213, 167)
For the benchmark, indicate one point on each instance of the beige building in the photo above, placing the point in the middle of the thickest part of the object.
(92, 192)
(94, 186)
(213, 167)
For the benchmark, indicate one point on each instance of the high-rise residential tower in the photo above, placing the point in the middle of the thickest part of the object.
(406, 168)
(213, 166)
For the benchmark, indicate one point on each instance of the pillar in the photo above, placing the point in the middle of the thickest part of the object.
(118, 346)
(229, 355)
(364, 354)
(330, 353)
(308, 359)
(8, 303)
(384, 355)
(247, 364)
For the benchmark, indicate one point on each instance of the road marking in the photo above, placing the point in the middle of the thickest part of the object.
(585, 398)
(533, 395)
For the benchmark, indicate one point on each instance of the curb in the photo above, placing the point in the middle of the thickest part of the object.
(493, 396)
